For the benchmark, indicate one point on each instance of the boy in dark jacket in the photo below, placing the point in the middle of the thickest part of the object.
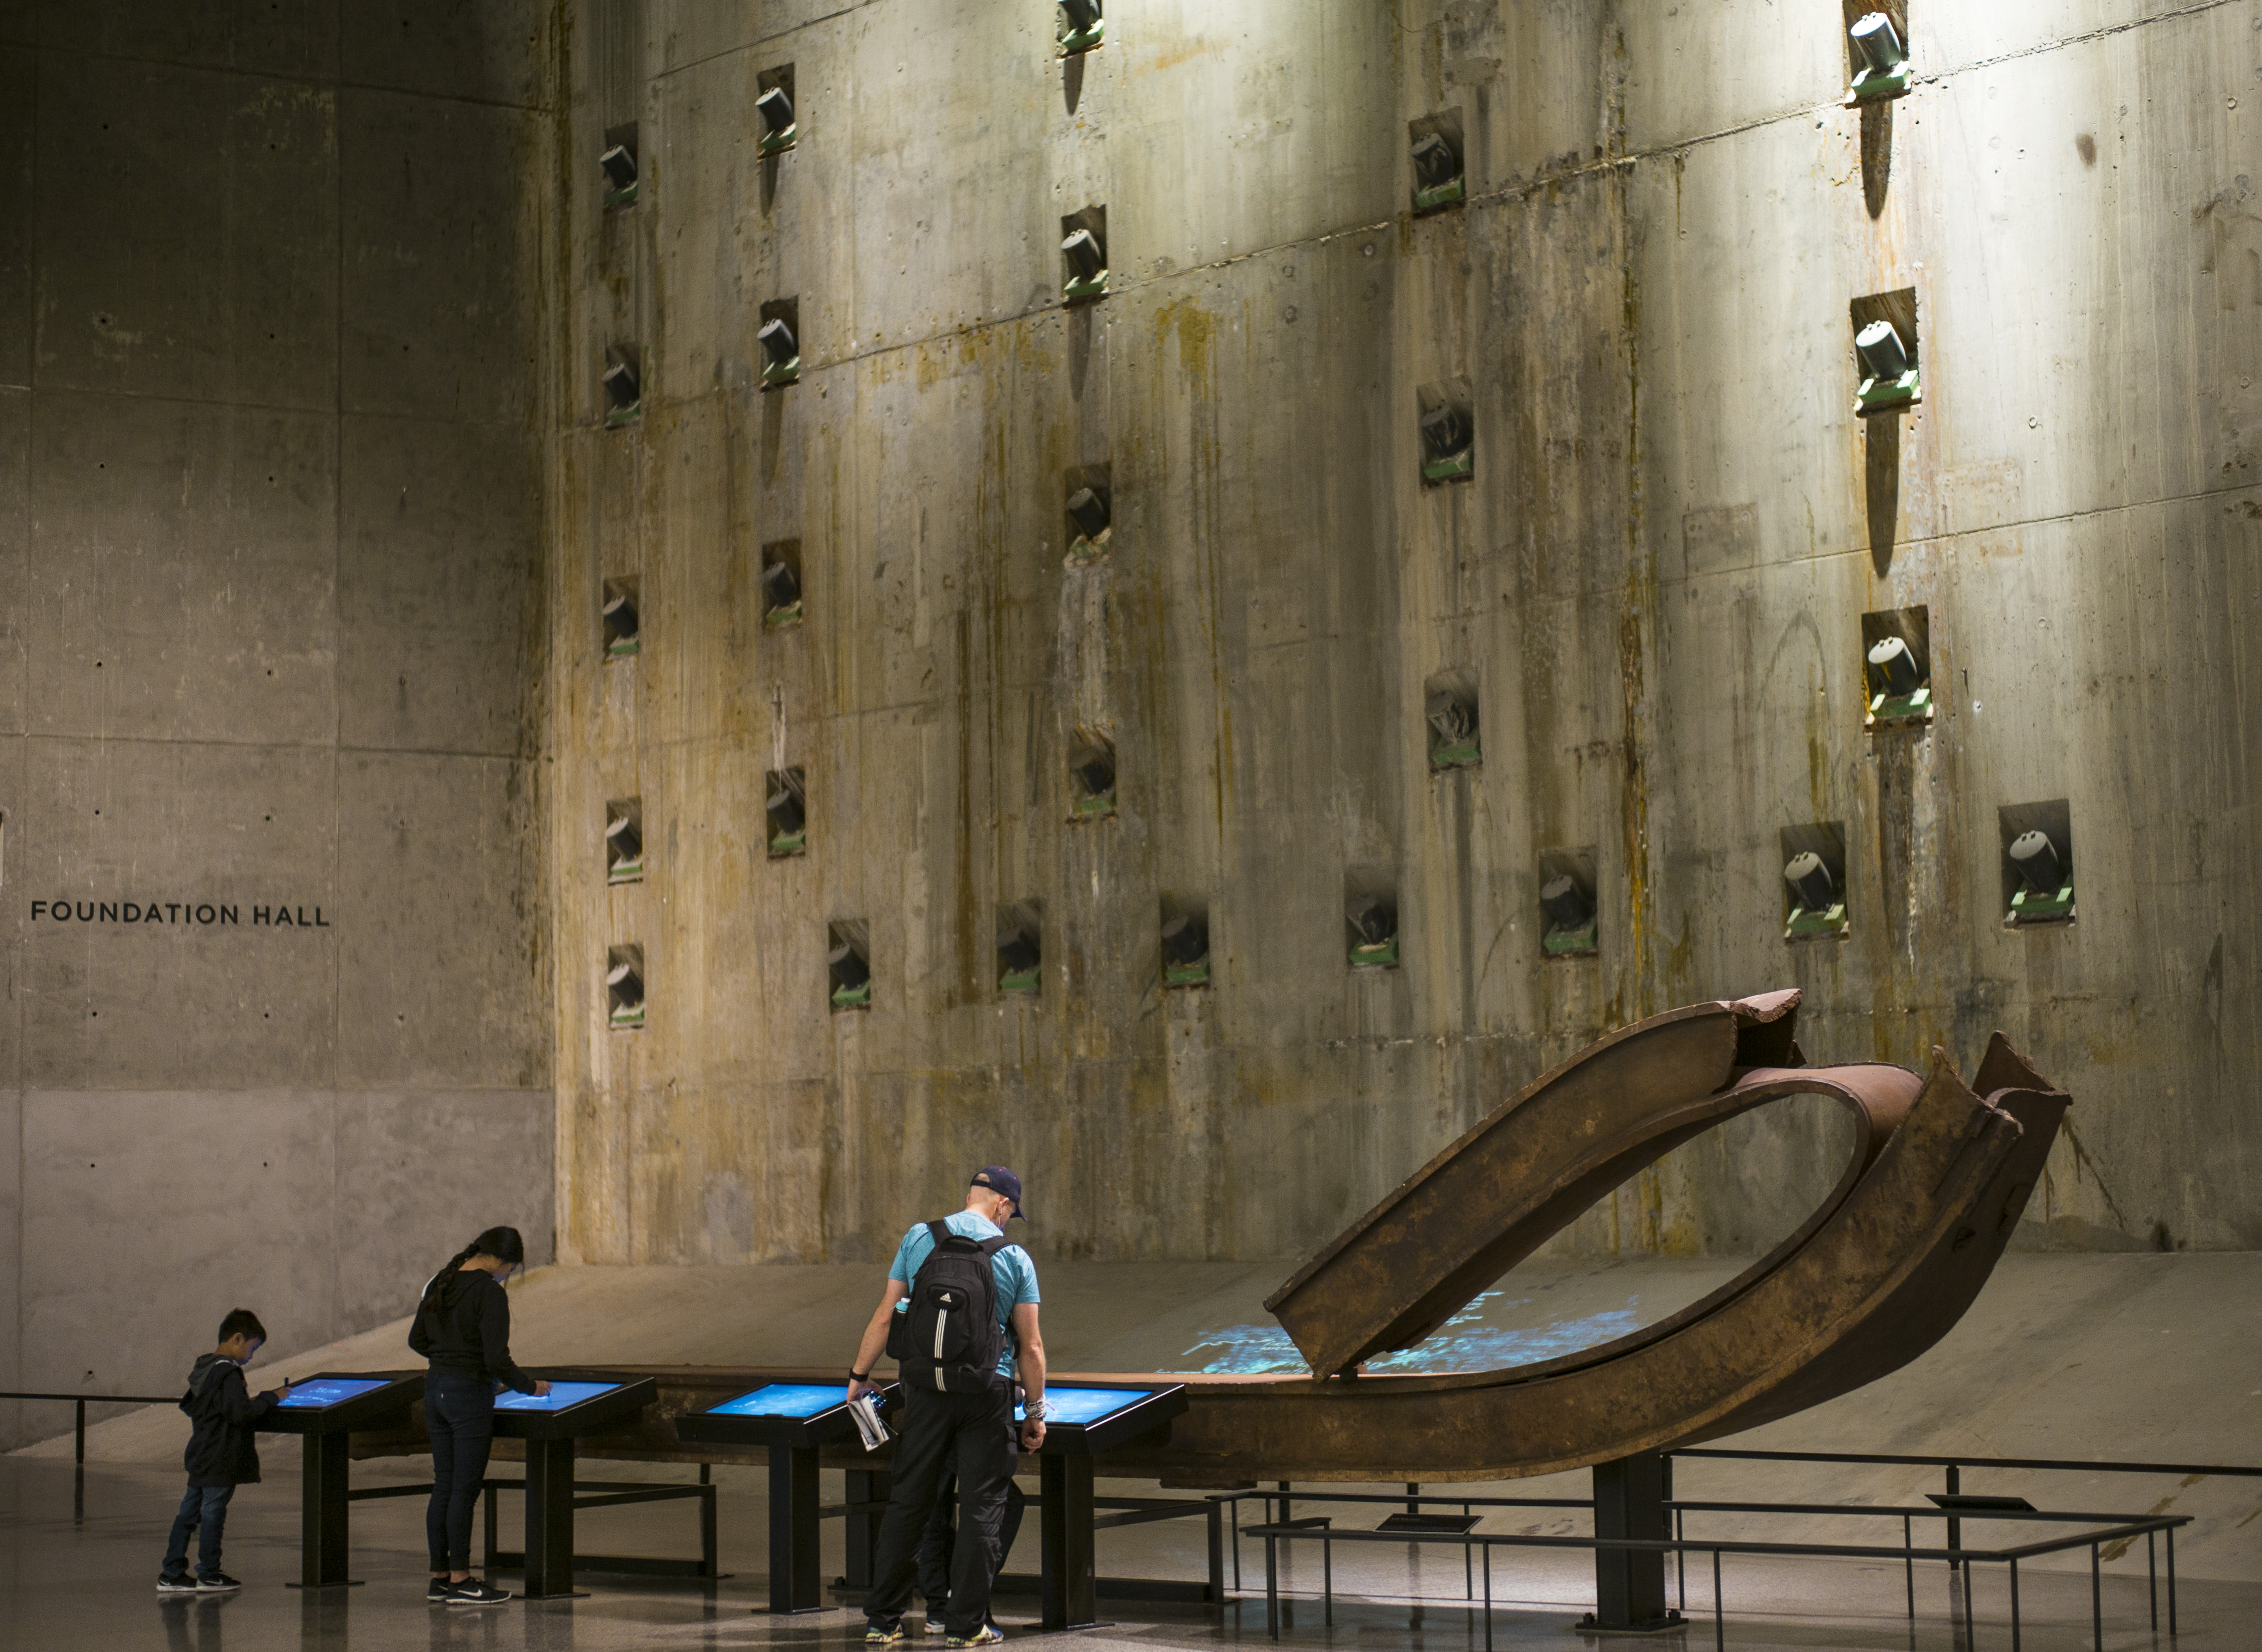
(223, 1453)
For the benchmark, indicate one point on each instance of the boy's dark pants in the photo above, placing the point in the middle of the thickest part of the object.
(970, 1434)
(206, 1507)
(459, 1416)
(937, 1542)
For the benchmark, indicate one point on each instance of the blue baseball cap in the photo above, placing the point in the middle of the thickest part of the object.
(997, 1179)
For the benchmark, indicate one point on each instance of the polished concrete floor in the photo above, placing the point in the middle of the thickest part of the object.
(79, 1572)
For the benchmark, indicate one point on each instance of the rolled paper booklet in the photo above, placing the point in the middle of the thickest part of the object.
(865, 1408)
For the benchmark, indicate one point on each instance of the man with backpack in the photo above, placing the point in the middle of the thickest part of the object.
(958, 1315)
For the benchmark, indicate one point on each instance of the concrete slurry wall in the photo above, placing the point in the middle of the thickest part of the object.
(1654, 584)
(269, 508)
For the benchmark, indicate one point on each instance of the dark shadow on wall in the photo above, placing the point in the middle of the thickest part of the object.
(1876, 154)
(1072, 80)
(1881, 436)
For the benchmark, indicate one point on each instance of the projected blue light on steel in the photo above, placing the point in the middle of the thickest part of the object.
(783, 1399)
(560, 1395)
(1462, 1343)
(1084, 1404)
(331, 1390)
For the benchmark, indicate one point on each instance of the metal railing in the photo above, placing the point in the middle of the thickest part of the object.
(1279, 1526)
(82, 1401)
(78, 1431)
(1318, 1526)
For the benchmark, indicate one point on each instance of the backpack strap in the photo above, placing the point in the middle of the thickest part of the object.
(938, 1232)
(991, 1246)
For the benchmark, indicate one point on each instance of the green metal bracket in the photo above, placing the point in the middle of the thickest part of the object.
(1383, 955)
(1878, 396)
(777, 374)
(2027, 907)
(1462, 756)
(1196, 974)
(1453, 469)
(623, 649)
(1453, 188)
(852, 997)
(621, 198)
(616, 417)
(626, 872)
(1083, 548)
(1806, 925)
(1076, 40)
(776, 142)
(786, 845)
(623, 1020)
(778, 619)
(1079, 288)
(1872, 84)
(1020, 981)
(1095, 807)
(1561, 943)
(1916, 708)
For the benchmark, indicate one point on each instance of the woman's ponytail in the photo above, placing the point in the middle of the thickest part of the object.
(431, 1300)
(501, 1243)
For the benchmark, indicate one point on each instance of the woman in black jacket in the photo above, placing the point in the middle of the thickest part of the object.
(463, 1327)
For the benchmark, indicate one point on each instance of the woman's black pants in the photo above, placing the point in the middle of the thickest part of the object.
(459, 1415)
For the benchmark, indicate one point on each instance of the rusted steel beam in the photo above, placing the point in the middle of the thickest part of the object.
(1939, 1173)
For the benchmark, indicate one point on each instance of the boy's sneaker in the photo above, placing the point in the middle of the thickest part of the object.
(935, 1625)
(883, 1635)
(988, 1635)
(183, 1584)
(436, 1591)
(473, 1592)
(217, 1584)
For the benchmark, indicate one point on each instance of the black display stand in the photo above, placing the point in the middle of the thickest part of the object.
(1629, 1498)
(549, 1436)
(324, 1489)
(796, 1583)
(1068, 1591)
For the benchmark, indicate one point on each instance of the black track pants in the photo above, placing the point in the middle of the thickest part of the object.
(972, 1436)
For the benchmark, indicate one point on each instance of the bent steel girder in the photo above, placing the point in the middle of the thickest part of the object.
(1939, 1173)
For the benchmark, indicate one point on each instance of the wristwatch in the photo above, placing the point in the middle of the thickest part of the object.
(1036, 1411)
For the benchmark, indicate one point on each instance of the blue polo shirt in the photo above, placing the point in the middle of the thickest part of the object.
(1015, 1275)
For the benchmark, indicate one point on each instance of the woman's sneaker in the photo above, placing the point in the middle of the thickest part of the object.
(217, 1583)
(988, 1635)
(438, 1590)
(473, 1592)
(183, 1584)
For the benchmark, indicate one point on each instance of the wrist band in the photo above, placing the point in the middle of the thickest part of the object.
(860, 1376)
(1036, 1411)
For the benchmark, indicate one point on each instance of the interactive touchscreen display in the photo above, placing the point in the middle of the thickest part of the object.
(560, 1395)
(783, 1399)
(1085, 1405)
(323, 1392)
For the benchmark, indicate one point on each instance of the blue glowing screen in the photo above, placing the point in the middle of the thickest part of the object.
(783, 1399)
(1085, 1404)
(324, 1391)
(560, 1395)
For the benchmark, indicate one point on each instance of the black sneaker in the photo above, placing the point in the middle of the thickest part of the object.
(217, 1584)
(436, 1593)
(183, 1584)
(473, 1592)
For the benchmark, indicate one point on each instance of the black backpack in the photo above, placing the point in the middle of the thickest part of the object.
(948, 1338)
